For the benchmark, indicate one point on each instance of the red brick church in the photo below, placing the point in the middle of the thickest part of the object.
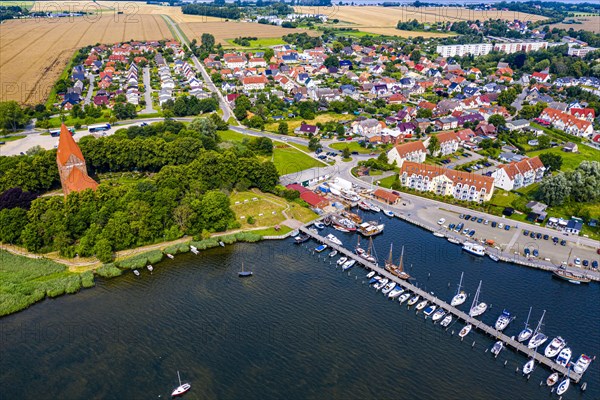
(71, 165)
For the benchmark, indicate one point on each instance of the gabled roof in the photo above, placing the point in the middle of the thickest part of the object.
(410, 147)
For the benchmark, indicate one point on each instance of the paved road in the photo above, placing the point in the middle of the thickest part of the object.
(227, 113)
(88, 97)
(518, 103)
(147, 93)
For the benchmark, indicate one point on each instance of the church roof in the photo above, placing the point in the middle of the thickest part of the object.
(67, 146)
(78, 181)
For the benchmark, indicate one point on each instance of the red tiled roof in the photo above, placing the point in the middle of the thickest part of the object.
(462, 177)
(410, 147)
(528, 164)
(385, 195)
(78, 181)
(67, 146)
(314, 199)
(447, 136)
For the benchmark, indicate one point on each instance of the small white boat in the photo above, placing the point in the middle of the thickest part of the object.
(537, 340)
(342, 260)
(370, 274)
(194, 250)
(319, 225)
(497, 348)
(552, 379)
(374, 208)
(582, 364)
(381, 283)
(181, 389)
(493, 257)
(438, 314)
(404, 297)
(413, 300)
(375, 280)
(465, 331)
(477, 308)
(421, 305)
(429, 310)
(453, 240)
(460, 296)
(474, 248)
(446, 321)
(171, 256)
(150, 267)
(563, 386)
(136, 272)
(554, 347)
(438, 234)
(388, 288)
(331, 237)
(221, 243)
(564, 356)
(389, 213)
(348, 264)
(503, 321)
(341, 228)
(397, 291)
(333, 253)
(528, 367)
(527, 331)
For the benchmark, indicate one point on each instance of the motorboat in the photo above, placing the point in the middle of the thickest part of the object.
(582, 364)
(333, 253)
(370, 228)
(181, 389)
(319, 225)
(421, 305)
(341, 228)
(429, 310)
(413, 300)
(529, 366)
(493, 257)
(554, 347)
(371, 274)
(474, 248)
(564, 356)
(331, 237)
(194, 249)
(374, 208)
(460, 297)
(375, 279)
(381, 283)
(527, 331)
(397, 270)
(563, 386)
(446, 321)
(389, 213)
(497, 348)
(301, 238)
(439, 234)
(171, 256)
(344, 223)
(397, 291)
(150, 268)
(404, 297)
(320, 248)
(348, 264)
(352, 217)
(342, 260)
(438, 314)
(364, 206)
(477, 308)
(465, 330)
(503, 320)
(388, 288)
(538, 338)
(453, 240)
(136, 272)
(552, 379)
(220, 244)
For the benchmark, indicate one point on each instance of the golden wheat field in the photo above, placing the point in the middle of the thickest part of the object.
(383, 20)
(33, 53)
(591, 23)
(233, 29)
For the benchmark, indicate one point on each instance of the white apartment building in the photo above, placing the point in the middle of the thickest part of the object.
(478, 49)
(514, 47)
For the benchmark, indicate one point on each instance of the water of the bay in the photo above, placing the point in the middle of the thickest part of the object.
(298, 329)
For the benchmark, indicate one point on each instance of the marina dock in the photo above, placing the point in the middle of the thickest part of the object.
(492, 332)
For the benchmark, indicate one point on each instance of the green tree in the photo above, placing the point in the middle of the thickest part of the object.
(214, 211)
(543, 142)
(551, 161)
(331, 61)
(346, 152)
(497, 120)
(554, 190)
(507, 97)
(12, 116)
(314, 143)
(103, 250)
(282, 129)
(208, 42)
(424, 113)
(434, 145)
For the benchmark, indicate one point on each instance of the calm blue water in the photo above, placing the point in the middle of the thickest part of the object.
(298, 329)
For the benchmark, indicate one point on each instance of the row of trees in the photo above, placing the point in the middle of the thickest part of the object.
(581, 185)
(190, 105)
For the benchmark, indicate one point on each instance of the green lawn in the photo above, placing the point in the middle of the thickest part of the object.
(571, 160)
(289, 160)
(294, 123)
(352, 145)
(301, 147)
(26, 281)
(261, 42)
(22, 4)
(11, 138)
(283, 229)
(387, 182)
(232, 136)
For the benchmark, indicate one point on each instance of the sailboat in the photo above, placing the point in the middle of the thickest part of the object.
(181, 389)
(538, 337)
(397, 270)
(460, 296)
(527, 332)
(529, 366)
(476, 307)
(359, 250)
(244, 274)
(564, 385)
(368, 254)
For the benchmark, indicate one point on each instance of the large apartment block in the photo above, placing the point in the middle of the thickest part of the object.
(481, 49)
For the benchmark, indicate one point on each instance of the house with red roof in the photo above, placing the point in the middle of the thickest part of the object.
(586, 114)
(541, 77)
(256, 82)
(519, 174)
(409, 151)
(567, 122)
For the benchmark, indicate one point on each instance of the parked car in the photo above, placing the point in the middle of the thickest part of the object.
(586, 263)
(473, 218)
(486, 222)
(538, 235)
(546, 237)
(577, 261)
(355, 153)
(525, 233)
(494, 224)
(507, 228)
(595, 264)
(479, 220)
(563, 242)
(471, 233)
(532, 235)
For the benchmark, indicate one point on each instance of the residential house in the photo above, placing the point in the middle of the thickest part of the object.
(567, 122)
(410, 151)
(256, 82)
(305, 129)
(367, 127)
(449, 142)
(516, 175)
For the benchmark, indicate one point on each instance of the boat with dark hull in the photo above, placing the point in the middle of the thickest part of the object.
(572, 277)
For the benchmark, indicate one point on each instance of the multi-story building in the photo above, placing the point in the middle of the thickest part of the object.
(410, 151)
(475, 49)
(449, 142)
(567, 122)
(519, 174)
(514, 47)
(446, 182)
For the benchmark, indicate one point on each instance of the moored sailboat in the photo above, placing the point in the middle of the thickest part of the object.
(529, 366)
(538, 337)
(397, 270)
(181, 389)
(527, 331)
(476, 307)
(460, 296)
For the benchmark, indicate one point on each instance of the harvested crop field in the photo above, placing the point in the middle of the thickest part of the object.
(373, 19)
(33, 53)
(591, 24)
(231, 30)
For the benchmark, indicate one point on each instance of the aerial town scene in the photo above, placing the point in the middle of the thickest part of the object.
(306, 199)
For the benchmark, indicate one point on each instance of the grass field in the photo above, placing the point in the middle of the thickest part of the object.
(232, 136)
(296, 122)
(30, 79)
(11, 138)
(26, 281)
(383, 21)
(263, 42)
(22, 4)
(289, 160)
(571, 160)
(353, 146)
(588, 23)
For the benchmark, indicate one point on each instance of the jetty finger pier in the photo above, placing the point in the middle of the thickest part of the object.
(492, 332)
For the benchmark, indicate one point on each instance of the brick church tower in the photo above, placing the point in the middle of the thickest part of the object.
(71, 165)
